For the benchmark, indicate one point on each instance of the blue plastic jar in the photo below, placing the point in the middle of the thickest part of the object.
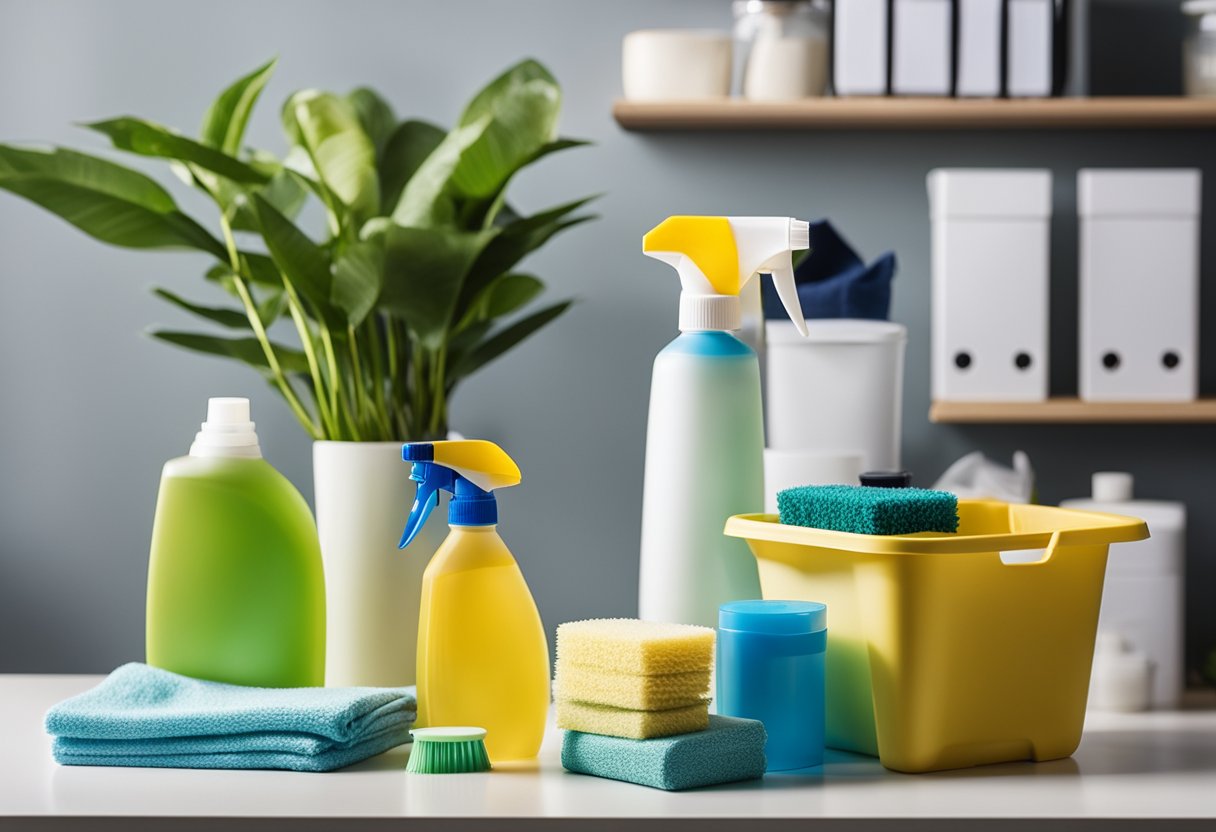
(770, 668)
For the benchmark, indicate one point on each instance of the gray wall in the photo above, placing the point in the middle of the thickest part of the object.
(90, 409)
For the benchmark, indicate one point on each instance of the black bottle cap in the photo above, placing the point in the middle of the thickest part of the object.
(887, 479)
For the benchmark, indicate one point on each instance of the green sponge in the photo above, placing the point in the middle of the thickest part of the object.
(866, 510)
(729, 750)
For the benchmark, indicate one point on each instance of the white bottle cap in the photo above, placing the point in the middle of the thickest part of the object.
(1112, 487)
(227, 431)
(701, 313)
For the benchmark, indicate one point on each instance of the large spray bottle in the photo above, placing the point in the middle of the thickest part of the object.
(482, 655)
(705, 435)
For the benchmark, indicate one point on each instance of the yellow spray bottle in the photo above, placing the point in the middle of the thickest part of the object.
(482, 655)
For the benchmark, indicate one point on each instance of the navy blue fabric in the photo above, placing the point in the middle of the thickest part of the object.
(833, 282)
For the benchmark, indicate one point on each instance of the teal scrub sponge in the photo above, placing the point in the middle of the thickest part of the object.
(729, 750)
(865, 510)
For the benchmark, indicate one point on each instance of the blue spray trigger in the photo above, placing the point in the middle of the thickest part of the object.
(470, 505)
(430, 478)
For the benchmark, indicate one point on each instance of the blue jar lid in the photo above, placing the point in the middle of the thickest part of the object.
(774, 617)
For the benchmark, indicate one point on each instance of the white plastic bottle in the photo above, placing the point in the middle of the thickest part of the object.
(705, 435)
(1142, 598)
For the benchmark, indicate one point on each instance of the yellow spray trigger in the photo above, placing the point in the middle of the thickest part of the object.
(479, 461)
(709, 242)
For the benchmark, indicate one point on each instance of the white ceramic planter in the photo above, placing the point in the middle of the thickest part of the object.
(373, 589)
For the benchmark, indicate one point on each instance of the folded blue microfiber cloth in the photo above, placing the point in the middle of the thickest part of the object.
(834, 282)
(145, 716)
(731, 749)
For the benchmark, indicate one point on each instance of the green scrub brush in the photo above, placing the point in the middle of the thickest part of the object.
(448, 751)
(869, 510)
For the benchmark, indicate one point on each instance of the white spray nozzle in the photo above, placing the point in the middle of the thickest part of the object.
(716, 257)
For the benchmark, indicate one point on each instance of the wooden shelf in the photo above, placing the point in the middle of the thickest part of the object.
(920, 114)
(1070, 410)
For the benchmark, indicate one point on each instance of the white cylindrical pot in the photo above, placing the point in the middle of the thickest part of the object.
(373, 589)
(791, 469)
(676, 65)
(838, 390)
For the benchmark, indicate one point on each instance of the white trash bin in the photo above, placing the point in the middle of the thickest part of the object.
(840, 389)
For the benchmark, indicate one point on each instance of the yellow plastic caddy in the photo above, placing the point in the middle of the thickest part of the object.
(942, 654)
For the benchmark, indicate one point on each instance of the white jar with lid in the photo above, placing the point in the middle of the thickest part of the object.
(1142, 598)
(782, 48)
(1199, 48)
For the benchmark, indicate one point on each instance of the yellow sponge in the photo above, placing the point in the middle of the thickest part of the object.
(637, 725)
(624, 690)
(626, 645)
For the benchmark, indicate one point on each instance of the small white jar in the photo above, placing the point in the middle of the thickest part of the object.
(782, 48)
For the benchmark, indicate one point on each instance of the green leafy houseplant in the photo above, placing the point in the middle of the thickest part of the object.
(414, 286)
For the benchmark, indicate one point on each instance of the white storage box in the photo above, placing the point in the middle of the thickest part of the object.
(1139, 284)
(839, 390)
(990, 277)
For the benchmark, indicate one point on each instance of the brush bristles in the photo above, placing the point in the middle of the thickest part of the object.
(448, 757)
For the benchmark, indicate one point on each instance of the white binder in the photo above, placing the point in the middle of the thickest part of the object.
(980, 32)
(922, 47)
(990, 283)
(1029, 50)
(860, 31)
(1139, 284)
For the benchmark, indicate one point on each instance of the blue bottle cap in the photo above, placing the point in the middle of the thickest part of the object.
(774, 617)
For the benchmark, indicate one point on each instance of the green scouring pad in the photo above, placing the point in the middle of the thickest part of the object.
(867, 510)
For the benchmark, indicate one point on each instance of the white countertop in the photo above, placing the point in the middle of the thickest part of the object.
(1135, 766)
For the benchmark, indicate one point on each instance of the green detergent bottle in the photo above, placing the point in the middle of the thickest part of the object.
(236, 591)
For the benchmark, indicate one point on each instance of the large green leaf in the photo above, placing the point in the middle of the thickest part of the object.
(269, 298)
(404, 152)
(88, 172)
(423, 273)
(231, 318)
(425, 201)
(226, 118)
(513, 242)
(486, 212)
(248, 350)
(504, 294)
(505, 339)
(285, 191)
(148, 139)
(328, 128)
(301, 261)
(261, 269)
(358, 276)
(105, 200)
(523, 106)
(374, 114)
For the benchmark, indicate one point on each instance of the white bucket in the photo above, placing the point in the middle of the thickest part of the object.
(840, 389)
(790, 469)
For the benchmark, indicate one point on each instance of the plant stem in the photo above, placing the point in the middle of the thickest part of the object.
(259, 332)
(332, 362)
(360, 393)
(377, 375)
(314, 369)
(439, 402)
